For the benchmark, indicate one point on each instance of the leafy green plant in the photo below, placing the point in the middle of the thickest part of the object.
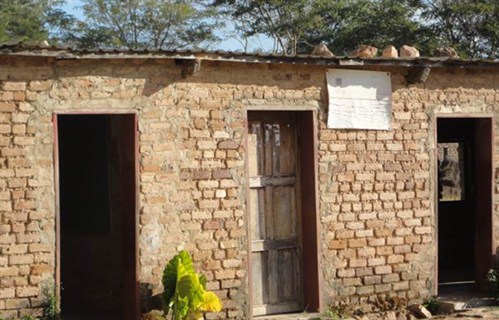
(185, 291)
(493, 279)
(340, 310)
(51, 308)
(432, 304)
(329, 314)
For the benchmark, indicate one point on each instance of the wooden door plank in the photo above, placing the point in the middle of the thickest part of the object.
(252, 154)
(287, 155)
(257, 213)
(275, 236)
(284, 212)
(268, 209)
(273, 273)
(267, 149)
(275, 308)
(259, 277)
(266, 181)
(265, 245)
(286, 284)
(276, 150)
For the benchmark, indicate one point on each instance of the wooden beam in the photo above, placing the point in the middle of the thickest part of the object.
(417, 75)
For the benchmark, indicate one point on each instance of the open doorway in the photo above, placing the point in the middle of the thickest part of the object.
(97, 199)
(283, 212)
(464, 203)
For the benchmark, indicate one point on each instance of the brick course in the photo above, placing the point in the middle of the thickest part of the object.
(375, 187)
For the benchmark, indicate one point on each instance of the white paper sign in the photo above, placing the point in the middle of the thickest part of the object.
(359, 99)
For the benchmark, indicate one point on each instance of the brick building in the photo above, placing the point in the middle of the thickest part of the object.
(112, 162)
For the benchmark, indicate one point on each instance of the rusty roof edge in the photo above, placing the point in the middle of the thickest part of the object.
(224, 56)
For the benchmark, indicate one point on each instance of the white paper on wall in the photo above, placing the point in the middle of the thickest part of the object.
(359, 99)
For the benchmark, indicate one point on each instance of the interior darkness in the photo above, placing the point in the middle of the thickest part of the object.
(456, 219)
(97, 209)
(465, 224)
(84, 180)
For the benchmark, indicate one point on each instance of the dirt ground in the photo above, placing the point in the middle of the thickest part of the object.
(475, 313)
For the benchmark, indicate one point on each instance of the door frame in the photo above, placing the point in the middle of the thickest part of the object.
(136, 274)
(308, 131)
(476, 116)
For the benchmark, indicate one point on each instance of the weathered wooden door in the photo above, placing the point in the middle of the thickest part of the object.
(275, 213)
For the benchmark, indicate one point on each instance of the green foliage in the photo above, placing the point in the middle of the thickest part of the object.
(185, 291)
(33, 21)
(25, 20)
(124, 24)
(493, 279)
(347, 24)
(329, 314)
(432, 304)
(295, 26)
(51, 308)
(286, 22)
(134, 24)
(338, 311)
(470, 26)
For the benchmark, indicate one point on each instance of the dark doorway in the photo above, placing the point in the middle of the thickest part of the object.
(97, 192)
(464, 201)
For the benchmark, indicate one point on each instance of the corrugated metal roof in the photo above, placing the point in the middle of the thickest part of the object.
(64, 53)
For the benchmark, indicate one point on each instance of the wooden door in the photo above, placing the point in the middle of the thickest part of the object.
(274, 213)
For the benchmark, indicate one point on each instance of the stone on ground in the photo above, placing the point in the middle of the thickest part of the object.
(420, 311)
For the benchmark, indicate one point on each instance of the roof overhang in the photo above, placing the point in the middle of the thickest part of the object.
(62, 53)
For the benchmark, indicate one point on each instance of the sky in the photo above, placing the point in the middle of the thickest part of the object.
(261, 43)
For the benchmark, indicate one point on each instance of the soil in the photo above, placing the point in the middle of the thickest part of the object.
(475, 313)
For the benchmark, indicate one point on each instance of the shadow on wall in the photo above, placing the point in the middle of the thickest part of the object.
(156, 75)
(161, 73)
(148, 300)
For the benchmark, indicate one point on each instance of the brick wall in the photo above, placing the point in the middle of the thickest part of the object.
(375, 187)
(377, 208)
(377, 211)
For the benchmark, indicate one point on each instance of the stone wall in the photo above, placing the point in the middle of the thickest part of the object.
(376, 188)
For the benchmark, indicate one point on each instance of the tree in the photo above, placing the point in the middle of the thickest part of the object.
(26, 20)
(285, 21)
(296, 26)
(152, 24)
(347, 24)
(470, 26)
